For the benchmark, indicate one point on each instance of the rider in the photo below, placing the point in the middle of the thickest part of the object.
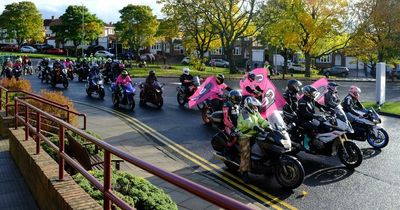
(68, 63)
(186, 80)
(251, 88)
(249, 123)
(216, 99)
(307, 113)
(150, 82)
(17, 68)
(331, 98)
(231, 112)
(122, 81)
(351, 102)
(292, 89)
(7, 68)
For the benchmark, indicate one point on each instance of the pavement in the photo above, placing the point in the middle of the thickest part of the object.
(126, 137)
(14, 192)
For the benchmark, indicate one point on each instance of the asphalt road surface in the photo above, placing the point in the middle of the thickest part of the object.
(328, 184)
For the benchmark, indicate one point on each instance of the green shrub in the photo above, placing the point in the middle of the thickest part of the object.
(135, 191)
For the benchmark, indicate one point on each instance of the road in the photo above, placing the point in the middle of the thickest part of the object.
(328, 184)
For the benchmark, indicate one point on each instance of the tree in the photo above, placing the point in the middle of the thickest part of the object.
(232, 20)
(378, 28)
(198, 34)
(167, 30)
(137, 27)
(71, 28)
(23, 22)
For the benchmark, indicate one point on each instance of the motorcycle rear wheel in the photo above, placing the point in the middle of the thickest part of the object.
(204, 115)
(379, 141)
(131, 102)
(65, 83)
(353, 157)
(294, 175)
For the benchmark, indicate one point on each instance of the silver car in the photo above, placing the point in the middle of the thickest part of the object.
(219, 63)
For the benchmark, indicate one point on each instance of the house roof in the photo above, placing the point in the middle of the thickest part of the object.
(51, 22)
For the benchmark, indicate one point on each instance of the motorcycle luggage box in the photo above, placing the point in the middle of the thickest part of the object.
(218, 141)
(217, 116)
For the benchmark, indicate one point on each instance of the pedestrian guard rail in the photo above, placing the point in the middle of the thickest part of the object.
(110, 198)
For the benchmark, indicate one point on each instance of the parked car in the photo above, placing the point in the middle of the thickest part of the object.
(10, 47)
(185, 60)
(104, 53)
(219, 63)
(294, 67)
(93, 49)
(56, 51)
(28, 49)
(41, 47)
(336, 70)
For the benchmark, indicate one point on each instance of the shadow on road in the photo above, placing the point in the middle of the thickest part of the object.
(370, 153)
(328, 176)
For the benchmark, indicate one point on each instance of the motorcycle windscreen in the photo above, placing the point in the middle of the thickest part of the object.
(276, 122)
(196, 81)
(129, 88)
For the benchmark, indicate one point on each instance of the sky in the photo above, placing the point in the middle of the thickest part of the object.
(106, 10)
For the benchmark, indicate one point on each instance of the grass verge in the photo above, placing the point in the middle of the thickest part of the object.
(388, 107)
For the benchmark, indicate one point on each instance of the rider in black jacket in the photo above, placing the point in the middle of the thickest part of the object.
(331, 98)
(186, 80)
(293, 87)
(351, 103)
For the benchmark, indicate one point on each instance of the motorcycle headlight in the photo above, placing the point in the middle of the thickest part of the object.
(100, 82)
(64, 71)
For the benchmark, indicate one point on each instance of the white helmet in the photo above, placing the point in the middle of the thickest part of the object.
(355, 91)
(186, 71)
(251, 104)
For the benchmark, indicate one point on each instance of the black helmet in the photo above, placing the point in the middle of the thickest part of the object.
(310, 91)
(220, 78)
(152, 73)
(235, 96)
(251, 76)
(294, 85)
(332, 86)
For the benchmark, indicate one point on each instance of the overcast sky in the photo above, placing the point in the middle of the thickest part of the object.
(107, 10)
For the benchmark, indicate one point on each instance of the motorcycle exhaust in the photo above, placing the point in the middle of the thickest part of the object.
(223, 158)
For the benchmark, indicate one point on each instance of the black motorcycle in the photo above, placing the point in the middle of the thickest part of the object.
(82, 72)
(152, 94)
(95, 85)
(270, 151)
(183, 93)
(59, 77)
(17, 72)
(367, 128)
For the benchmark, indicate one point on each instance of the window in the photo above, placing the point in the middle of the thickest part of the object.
(237, 51)
(325, 59)
(178, 47)
(216, 51)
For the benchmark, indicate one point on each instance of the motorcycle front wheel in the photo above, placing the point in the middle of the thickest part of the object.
(380, 141)
(205, 112)
(180, 98)
(65, 83)
(160, 103)
(350, 154)
(115, 100)
(289, 172)
(131, 102)
(101, 93)
(200, 106)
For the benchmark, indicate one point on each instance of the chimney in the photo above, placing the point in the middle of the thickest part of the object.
(52, 17)
(110, 23)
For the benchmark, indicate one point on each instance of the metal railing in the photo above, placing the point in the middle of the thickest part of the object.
(4, 103)
(105, 187)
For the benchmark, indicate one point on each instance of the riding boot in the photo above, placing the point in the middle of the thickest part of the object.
(245, 177)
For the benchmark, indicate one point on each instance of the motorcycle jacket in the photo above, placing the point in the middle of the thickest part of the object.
(248, 122)
(151, 79)
(57, 65)
(291, 100)
(123, 81)
(231, 114)
(331, 99)
(184, 77)
(306, 110)
(350, 104)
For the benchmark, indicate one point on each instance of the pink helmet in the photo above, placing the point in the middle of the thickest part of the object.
(355, 91)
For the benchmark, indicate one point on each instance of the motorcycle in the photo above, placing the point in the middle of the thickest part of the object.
(269, 151)
(367, 128)
(45, 74)
(82, 73)
(27, 70)
(183, 95)
(70, 73)
(95, 85)
(59, 77)
(124, 98)
(17, 72)
(330, 139)
(153, 94)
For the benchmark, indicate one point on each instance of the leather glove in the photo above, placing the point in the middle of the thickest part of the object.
(258, 129)
(267, 129)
